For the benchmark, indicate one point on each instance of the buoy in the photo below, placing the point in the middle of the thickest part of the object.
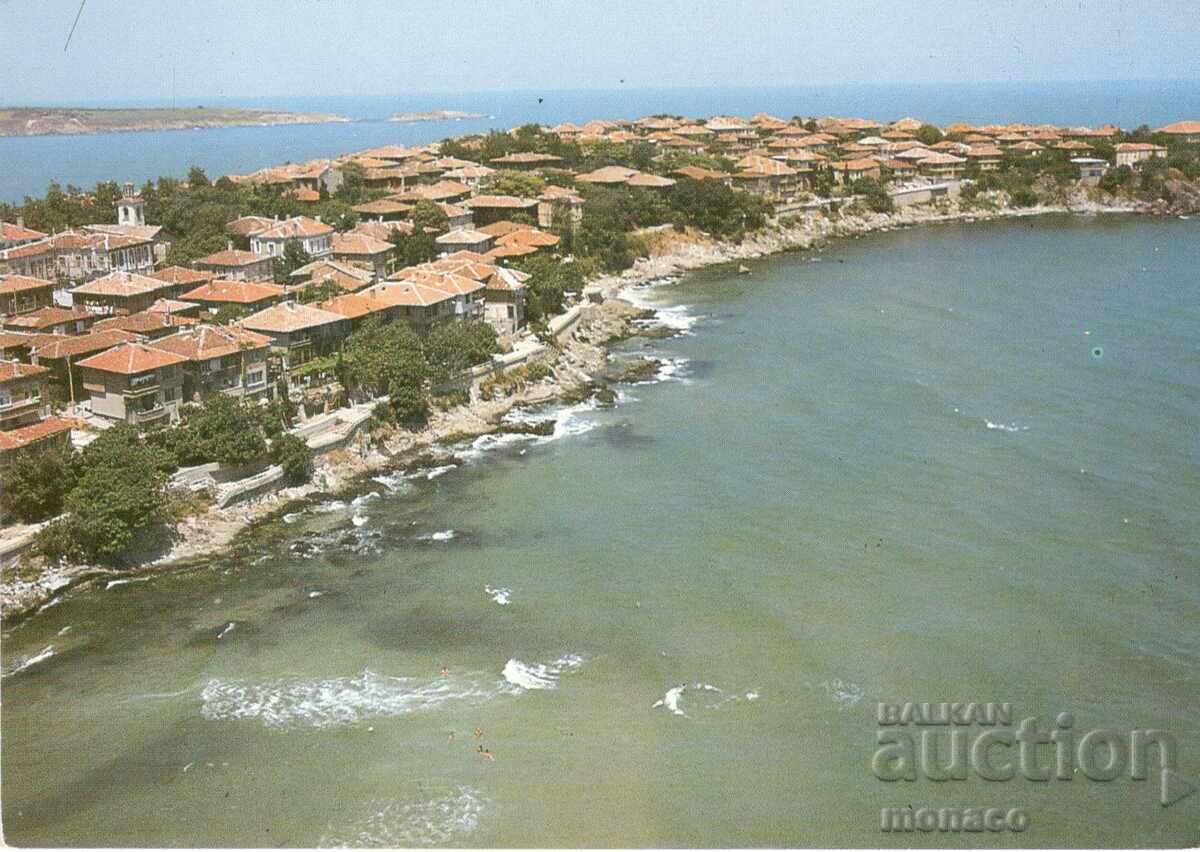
(743, 270)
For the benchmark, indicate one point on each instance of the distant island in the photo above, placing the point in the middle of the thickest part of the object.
(47, 121)
(436, 115)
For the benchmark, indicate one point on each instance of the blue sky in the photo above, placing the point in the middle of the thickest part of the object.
(164, 49)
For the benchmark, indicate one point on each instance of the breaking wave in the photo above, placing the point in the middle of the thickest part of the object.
(540, 676)
(1006, 427)
(421, 821)
(291, 702)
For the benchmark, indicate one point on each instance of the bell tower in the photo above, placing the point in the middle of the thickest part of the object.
(131, 208)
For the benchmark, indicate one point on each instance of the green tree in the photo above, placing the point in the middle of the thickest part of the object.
(117, 498)
(549, 280)
(353, 188)
(452, 347)
(927, 134)
(291, 453)
(509, 182)
(196, 177)
(379, 354)
(35, 486)
(221, 429)
(427, 215)
(878, 198)
(294, 256)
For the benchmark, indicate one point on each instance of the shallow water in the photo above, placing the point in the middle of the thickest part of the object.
(892, 471)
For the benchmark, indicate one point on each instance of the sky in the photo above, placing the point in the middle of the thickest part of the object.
(158, 50)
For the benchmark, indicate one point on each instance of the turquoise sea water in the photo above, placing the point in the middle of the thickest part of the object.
(28, 164)
(896, 470)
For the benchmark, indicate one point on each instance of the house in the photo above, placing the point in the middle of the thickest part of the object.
(175, 307)
(848, 171)
(314, 236)
(13, 235)
(62, 354)
(941, 166)
(417, 304)
(766, 176)
(698, 173)
(180, 278)
(244, 227)
(526, 161)
(147, 324)
(490, 208)
(366, 251)
(134, 382)
(236, 265)
(20, 294)
(1132, 153)
(607, 176)
(442, 191)
(298, 332)
(987, 157)
(465, 238)
(50, 433)
(647, 181)
(79, 256)
(120, 293)
(143, 233)
(1091, 169)
(1187, 132)
(503, 294)
(466, 293)
(22, 394)
(51, 320)
(384, 210)
(558, 206)
(469, 175)
(347, 276)
(246, 295)
(220, 359)
(15, 345)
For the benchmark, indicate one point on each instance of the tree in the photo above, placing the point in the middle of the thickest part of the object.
(35, 486)
(452, 347)
(319, 291)
(927, 134)
(878, 198)
(197, 177)
(426, 214)
(715, 208)
(419, 247)
(549, 280)
(294, 256)
(509, 182)
(117, 498)
(353, 188)
(291, 453)
(379, 353)
(222, 429)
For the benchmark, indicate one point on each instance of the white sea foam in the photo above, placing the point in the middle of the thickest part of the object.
(434, 472)
(364, 498)
(500, 595)
(290, 702)
(393, 482)
(539, 676)
(44, 654)
(442, 535)
(328, 506)
(291, 517)
(359, 519)
(1006, 427)
(125, 581)
(844, 692)
(441, 819)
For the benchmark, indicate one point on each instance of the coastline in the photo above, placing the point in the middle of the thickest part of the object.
(577, 364)
(27, 122)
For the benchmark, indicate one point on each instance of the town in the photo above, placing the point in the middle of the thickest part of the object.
(234, 324)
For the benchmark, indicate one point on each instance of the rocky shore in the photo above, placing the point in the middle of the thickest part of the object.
(576, 365)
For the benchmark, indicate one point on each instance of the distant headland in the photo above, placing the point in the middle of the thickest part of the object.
(436, 115)
(57, 121)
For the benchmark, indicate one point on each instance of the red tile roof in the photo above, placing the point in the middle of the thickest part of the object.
(131, 358)
(206, 341)
(234, 292)
(288, 317)
(230, 257)
(22, 283)
(13, 370)
(120, 284)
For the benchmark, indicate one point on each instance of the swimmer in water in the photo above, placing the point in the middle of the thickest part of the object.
(487, 755)
(478, 732)
(445, 672)
(450, 739)
(671, 699)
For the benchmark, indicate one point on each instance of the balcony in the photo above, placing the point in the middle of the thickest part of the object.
(148, 415)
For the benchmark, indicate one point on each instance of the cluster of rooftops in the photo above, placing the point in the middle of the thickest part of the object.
(98, 299)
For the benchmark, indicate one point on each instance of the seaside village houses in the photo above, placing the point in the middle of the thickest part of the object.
(96, 328)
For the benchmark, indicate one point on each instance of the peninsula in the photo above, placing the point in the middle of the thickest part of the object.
(58, 121)
(435, 115)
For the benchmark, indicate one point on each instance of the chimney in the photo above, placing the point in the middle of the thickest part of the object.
(20, 221)
(318, 217)
(229, 245)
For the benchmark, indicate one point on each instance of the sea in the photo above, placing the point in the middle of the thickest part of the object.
(956, 463)
(29, 164)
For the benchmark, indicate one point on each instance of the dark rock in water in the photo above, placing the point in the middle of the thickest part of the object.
(431, 460)
(606, 398)
(641, 370)
(527, 427)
